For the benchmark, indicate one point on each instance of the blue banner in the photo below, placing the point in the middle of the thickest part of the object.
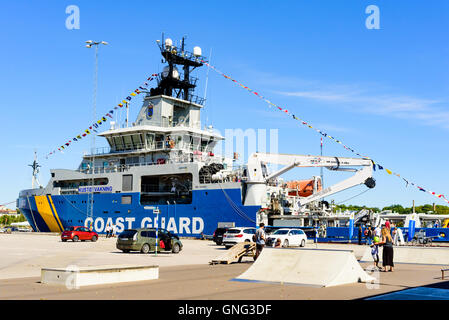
(411, 230)
(351, 227)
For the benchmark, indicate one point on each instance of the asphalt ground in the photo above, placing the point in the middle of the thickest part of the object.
(183, 276)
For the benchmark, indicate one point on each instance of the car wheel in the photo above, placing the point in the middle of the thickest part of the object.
(145, 248)
(285, 245)
(176, 248)
(75, 238)
(94, 238)
(303, 243)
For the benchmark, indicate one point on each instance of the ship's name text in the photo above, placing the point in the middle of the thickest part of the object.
(194, 225)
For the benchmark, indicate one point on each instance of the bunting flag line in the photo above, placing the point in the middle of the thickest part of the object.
(287, 112)
(109, 114)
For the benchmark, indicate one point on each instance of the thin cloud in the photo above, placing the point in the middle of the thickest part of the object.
(277, 119)
(398, 106)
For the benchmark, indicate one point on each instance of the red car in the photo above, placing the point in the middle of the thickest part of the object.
(78, 233)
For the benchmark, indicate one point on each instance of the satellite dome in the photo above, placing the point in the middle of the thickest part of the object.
(168, 42)
(197, 51)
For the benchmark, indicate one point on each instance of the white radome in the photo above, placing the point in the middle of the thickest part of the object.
(197, 51)
(168, 42)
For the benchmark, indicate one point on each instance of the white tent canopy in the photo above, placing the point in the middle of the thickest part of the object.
(20, 224)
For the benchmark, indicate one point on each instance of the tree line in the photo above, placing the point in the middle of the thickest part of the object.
(427, 208)
(8, 219)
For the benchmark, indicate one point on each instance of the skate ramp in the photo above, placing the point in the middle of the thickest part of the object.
(311, 267)
(413, 255)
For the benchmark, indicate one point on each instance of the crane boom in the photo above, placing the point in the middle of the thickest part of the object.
(257, 179)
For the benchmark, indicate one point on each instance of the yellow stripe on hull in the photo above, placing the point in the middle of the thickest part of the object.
(45, 212)
(56, 213)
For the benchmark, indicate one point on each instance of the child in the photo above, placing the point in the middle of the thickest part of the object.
(375, 251)
(278, 243)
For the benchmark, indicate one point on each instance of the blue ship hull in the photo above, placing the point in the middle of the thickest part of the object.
(53, 213)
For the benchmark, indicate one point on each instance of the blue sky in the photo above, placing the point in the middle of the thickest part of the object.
(382, 92)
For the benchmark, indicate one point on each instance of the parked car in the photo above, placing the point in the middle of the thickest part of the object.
(218, 235)
(144, 240)
(289, 237)
(237, 235)
(270, 230)
(9, 229)
(77, 233)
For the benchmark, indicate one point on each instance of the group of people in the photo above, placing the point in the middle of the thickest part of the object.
(377, 237)
(381, 237)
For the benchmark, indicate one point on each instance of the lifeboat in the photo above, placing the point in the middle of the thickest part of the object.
(302, 188)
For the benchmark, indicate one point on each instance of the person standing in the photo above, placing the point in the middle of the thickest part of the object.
(375, 252)
(387, 252)
(360, 235)
(387, 224)
(377, 232)
(370, 235)
(260, 239)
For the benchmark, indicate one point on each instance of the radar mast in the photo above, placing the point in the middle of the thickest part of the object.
(171, 82)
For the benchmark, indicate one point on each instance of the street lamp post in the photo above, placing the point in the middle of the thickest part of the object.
(89, 44)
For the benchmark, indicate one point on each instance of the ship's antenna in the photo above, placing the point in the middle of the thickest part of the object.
(207, 81)
(35, 167)
(321, 169)
(127, 113)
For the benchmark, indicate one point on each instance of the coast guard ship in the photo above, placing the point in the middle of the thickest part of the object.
(162, 171)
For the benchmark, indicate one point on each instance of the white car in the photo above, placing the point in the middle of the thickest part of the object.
(289, 237)
(237, 235)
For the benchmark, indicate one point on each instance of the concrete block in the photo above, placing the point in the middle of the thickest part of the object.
(75, 277)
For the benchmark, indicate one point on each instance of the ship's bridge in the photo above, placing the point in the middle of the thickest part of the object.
(167, 129)
(151, 138)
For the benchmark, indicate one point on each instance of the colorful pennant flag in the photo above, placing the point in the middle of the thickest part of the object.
(109, 114)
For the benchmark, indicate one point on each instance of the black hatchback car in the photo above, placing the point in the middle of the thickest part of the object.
(218, 235)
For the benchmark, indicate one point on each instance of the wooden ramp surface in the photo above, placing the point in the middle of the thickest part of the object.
(236, 253)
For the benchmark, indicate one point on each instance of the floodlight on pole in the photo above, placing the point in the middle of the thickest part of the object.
(91, 194)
